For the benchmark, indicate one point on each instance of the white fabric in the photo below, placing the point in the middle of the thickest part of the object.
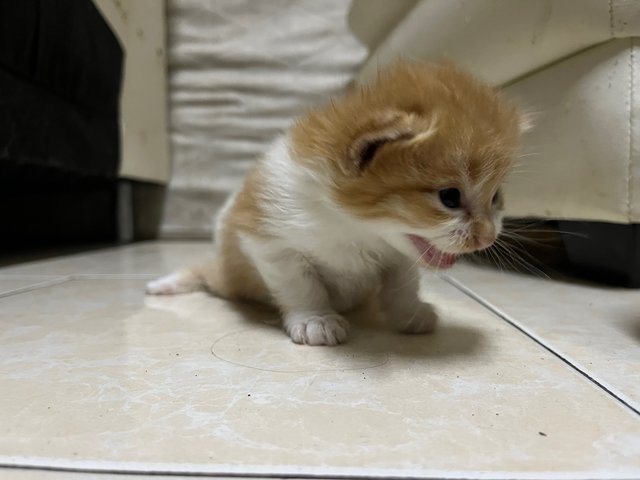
(499, 40)
(579, 160)
(240, 70)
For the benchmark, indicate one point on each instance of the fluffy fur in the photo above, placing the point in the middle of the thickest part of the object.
(350, 200)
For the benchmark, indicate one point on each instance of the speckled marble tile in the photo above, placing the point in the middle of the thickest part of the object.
(145, 258)
(11, 284)
(596, 328)
(95, 375)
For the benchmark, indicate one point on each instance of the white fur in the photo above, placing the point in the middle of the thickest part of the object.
(322, 261)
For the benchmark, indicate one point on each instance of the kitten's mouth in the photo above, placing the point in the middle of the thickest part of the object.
(430, 254)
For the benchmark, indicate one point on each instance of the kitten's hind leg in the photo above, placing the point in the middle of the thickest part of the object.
(182, 281)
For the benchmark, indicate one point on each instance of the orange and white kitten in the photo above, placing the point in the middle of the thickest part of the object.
(356, 194)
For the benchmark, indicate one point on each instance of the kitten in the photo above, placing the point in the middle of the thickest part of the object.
(357, 193)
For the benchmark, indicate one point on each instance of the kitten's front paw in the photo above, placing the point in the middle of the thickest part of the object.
(326, 329)
(422, 319)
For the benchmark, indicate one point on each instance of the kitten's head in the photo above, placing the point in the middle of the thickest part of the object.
(419, 156)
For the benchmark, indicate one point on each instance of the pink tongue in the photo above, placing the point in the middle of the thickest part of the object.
(431, 255)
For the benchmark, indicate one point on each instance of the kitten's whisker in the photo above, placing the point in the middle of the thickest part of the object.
(534, 259)
(551, 230)
(519, 260)
(507, 256)
(502, 264)
(529, 241)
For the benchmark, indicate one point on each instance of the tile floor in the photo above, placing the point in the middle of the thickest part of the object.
(525, 378)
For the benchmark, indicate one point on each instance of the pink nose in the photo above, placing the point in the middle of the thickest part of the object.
(483, 242)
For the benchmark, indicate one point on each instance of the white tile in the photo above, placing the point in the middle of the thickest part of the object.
(147, 258)
(594, 327)
(95, 375)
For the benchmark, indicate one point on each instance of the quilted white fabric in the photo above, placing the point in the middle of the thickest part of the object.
(574, 63)
(239, 71)
(499, 40)
(581, 161)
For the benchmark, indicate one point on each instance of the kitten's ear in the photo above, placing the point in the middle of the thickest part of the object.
(376, 132)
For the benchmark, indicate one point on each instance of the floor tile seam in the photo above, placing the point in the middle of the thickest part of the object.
(104, 249)
(113, 276)
(36, 286)
(27, 276)
(58, 279)
(97, 250)
(601, 384)
(80, 276)
(304, 473)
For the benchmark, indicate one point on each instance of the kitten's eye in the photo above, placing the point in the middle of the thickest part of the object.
(496, 198)
(450, 197)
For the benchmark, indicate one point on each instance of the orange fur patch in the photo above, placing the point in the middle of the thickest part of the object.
(231, 274)
(438, 127)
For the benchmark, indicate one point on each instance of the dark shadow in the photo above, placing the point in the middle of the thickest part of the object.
(255, 312)
(631, 327)
(370, 337)
(596, 254)
(566, 276)
(445, 342)
(368, 340)
(380, 345)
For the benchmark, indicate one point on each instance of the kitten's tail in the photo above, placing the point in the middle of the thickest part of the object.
(205, 277)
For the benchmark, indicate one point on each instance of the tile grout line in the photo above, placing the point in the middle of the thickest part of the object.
(30, 263)
(506, 318)
(113, 276)
(71, 277)
(305, 475)
(36, 286)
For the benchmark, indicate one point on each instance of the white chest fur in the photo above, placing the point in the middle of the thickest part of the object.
(348, 261)
(306, 228)
(350, 275)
